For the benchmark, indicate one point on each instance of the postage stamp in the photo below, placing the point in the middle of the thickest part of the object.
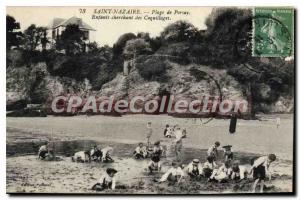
(273, 32)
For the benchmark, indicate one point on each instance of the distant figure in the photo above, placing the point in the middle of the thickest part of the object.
(238, 172)
(173, 175)
(167, 131)
(213, 150)
(149, 133)
(106, 181)
(81, 156)
(228, 154)
(154, 164)
(232, 126)
(277, 122)
(260, 168)
(106, 154)
(194, 169)
(222, 174)
(43, 151)
(178, 143)
(140, 151)
(209, 166)
(184, 134)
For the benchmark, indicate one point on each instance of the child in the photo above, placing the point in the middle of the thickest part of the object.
(154, 164)
(81, 156)
(260, 167)
(157, 149)
(178, 143)
(106, 152)
(209, 166)
(223, 173)
(166, 130)
(173, 175)
(228, 154)
(107, 181)
(238, 172)
(194, 169)
(277, 122)
(43, 151)
(149, 133)
(213, 150)
(140, 152)
(95, 153)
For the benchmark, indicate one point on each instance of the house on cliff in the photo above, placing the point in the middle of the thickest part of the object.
(58, 25)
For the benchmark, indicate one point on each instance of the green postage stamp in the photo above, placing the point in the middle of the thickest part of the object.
(273, 30)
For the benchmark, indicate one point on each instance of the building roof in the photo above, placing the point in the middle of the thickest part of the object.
(57, 22)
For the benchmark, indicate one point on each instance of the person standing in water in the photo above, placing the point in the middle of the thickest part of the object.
(277, 122)
(178, 143)
(149, 133)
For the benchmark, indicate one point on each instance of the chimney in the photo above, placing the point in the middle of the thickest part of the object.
(79, 22)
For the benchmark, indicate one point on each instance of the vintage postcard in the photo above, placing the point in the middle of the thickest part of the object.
(150, 100)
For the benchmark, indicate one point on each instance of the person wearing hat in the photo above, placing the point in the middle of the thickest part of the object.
(154, 164)
(140, 152)
(260, 168)
(223, 173)
(209, 166)
(173, 175)
(213, 150)
(194, 169)
(228, 154)
(43, 151)
(106, 181)
(238, 172)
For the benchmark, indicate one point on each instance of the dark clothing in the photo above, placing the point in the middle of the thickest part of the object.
(228, 155)
(259, 172)
(138, 155)
(165, 132)
(42, 154)
(207, 172)
(194, 173)
(232, 125)
(103, 186)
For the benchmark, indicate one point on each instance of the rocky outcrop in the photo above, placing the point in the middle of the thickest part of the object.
(34, 84)
(181, 83)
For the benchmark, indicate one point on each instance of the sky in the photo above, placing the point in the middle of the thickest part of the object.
(108, 30)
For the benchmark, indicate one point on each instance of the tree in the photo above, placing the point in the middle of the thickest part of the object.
(118, 47)
(13, 37)
(228, 41)
(179, 31)
(35, 36)
(71, 40)
(136, 47)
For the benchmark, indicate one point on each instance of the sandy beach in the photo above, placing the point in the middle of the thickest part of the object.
(68, 134)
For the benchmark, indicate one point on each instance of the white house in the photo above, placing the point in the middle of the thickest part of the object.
(58, 25)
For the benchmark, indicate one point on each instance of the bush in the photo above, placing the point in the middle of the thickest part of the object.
(152, 68)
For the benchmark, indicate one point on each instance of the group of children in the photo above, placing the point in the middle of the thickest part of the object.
(169, 132)
(229, 169)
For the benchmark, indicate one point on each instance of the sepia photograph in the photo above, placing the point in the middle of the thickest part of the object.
(150, 100)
